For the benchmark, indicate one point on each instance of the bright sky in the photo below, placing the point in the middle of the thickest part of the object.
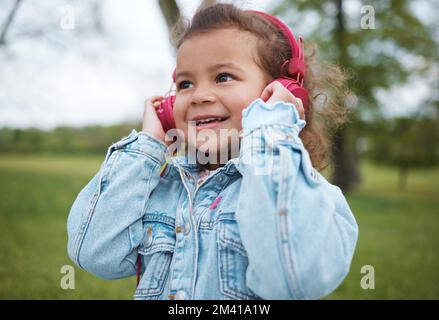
(95, 81)
(92, 81)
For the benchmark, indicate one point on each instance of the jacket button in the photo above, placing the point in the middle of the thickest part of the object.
(186, 228)
(148, 240)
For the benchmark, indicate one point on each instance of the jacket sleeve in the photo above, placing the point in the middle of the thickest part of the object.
(297, 228)
(105, 222)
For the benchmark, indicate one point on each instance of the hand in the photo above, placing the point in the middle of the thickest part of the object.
(275, 91)
(151, 121)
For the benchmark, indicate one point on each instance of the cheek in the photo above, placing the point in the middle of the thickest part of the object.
(236, 113)
(180, 123)
(178, 113)
(237, 121)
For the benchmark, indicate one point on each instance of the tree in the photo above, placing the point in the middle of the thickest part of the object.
(8, 22)
(378, 58)
(171, 12)
(407, 143)
(51, 30)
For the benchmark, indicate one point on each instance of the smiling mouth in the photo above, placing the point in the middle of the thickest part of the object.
(209, 122)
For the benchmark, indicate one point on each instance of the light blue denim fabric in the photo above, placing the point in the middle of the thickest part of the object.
(279, 231)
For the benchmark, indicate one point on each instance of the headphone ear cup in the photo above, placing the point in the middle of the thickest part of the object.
(295, 89)
(165, 113)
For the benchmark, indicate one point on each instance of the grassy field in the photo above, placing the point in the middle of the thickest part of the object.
(399, 232)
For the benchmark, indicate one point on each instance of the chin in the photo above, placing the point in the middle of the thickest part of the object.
(223, 154)
(207, 148)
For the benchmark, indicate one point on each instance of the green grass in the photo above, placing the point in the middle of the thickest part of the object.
(399, 235)
(36, 194)
(399, 232)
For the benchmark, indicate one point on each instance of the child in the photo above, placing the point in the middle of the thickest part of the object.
(263, 223)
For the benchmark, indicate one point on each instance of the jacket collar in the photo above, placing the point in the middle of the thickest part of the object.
(186, 163)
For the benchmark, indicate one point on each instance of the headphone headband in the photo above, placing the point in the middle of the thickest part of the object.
(293, 81)
(296, 64)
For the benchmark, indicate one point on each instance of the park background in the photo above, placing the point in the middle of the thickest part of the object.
(73, 78)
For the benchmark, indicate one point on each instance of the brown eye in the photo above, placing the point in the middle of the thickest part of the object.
(182, 84)
(224, 76)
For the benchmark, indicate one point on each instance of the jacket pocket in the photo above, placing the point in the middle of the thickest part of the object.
(232, 260)
(156, 251)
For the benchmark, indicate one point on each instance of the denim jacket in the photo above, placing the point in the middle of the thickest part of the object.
(266, 225)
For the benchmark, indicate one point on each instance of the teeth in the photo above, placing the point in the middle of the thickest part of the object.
(208, 120)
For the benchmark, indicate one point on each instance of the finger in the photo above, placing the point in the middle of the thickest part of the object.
(300, 108)
(156, 98)
(269, 90)
(153, 99)
(149, 109)
(153, 102)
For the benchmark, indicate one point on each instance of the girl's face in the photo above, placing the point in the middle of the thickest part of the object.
(216, 77)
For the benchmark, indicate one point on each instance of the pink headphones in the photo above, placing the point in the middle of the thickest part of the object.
(293, 82)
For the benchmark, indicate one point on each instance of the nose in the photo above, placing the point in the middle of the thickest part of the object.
(202, 94)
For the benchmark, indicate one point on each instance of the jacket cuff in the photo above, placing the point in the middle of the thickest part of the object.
(144, 143)
(259, 114)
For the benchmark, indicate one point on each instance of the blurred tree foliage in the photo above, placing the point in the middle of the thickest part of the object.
(400, 46)
(86, 140)
(405, 142)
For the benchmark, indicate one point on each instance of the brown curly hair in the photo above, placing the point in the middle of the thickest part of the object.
(323, 79)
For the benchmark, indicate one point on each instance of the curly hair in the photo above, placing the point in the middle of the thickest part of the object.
(323, 79)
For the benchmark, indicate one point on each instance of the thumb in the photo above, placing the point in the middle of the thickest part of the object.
(267, 92)
(270, 90)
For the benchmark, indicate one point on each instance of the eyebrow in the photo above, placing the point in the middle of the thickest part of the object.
(212, 68)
